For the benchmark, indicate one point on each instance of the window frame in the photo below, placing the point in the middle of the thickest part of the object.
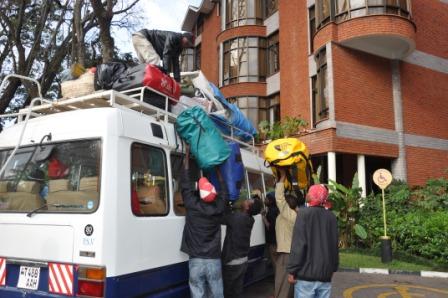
(167, 178)
(318, 90)
(388, 7)
(246, 46)
(99, 164)
(240, 20)
(175, 154)
(272, 45)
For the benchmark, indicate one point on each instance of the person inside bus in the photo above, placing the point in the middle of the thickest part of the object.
(288, 206)
(236, 246)
(201, 239)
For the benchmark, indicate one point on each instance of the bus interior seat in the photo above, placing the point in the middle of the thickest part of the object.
(58, 185)
(88, 184)
(151, 200)
(26, 198)
(179, 207)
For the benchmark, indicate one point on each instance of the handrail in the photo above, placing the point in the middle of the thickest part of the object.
(30, 109)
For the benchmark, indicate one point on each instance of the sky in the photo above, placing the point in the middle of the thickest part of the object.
(159, 14)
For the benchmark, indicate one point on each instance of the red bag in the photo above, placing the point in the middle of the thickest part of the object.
(161, 82)
(57, 169)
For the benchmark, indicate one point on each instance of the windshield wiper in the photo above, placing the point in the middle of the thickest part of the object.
(29, 214)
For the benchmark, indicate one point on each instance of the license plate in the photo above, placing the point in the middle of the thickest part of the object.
(29, 277)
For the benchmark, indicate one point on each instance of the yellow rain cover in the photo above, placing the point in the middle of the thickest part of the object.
(289, 152)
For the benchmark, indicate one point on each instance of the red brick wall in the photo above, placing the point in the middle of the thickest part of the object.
(241, 89)
(425, 101)
(241, 31)
(431, 19)
(326, 140)
(293, 39)
(423, 164)
(210, 47)
(363, 88)
(365, 26)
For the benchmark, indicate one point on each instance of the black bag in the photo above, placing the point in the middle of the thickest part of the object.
(133, 78)
(107, 73)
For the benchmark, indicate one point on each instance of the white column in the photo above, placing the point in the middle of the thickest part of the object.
(331, 158)
(399, 167)
(362, 174)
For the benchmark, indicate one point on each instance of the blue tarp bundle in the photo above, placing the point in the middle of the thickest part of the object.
(237, 119)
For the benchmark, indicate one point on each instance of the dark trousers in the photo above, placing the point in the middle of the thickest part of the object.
(233, 278)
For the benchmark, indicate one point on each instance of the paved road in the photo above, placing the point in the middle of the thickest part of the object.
(356, 285)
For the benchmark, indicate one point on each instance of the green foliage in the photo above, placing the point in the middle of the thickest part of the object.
(417, 219)
(433, 196)
(287, 127)
(346, 202)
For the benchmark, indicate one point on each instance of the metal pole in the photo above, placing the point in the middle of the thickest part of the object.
(384, 214)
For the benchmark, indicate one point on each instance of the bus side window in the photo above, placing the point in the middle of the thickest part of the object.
(176, 168)
(269, 182)
(149, 189)
(255, 183)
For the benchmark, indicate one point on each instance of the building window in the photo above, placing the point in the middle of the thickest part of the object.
(187, 60)
(340, 10)
(273, 54)
(197, 57)
(320, 89)
(312, 24)
(253, 107)
(271, 7)
(243, 12)
(149, 189)
(273, 109)
(200, 25)
(244, 60)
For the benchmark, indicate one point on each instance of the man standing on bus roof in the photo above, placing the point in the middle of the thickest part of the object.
(201, 238)
(162, 48)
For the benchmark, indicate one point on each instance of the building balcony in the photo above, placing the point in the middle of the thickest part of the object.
(379, 27)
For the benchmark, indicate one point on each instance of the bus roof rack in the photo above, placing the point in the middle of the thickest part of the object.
(132, 99)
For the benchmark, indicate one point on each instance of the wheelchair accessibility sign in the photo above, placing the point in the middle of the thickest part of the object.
(394, 291)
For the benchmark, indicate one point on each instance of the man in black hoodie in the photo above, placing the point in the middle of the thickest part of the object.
(201, 238)
(314, 250)
(162, 48)
(236, 247)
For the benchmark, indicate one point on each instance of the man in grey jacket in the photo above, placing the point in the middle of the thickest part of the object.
(162, 48)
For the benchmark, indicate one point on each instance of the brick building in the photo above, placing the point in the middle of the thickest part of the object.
(370, 77)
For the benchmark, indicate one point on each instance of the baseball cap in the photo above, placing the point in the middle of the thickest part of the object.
(207, 191)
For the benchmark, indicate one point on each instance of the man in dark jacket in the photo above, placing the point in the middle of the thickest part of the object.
(314, 251)
(236, 247)
(162, 48)
(201, 238)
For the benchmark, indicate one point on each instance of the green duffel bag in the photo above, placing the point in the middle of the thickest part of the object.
(206, 144)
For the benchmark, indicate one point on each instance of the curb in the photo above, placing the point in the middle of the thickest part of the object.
(394, 271)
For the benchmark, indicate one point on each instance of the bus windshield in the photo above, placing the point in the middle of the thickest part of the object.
(52, 177)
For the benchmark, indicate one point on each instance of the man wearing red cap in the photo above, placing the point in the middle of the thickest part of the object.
(201, 238)
(314, 251)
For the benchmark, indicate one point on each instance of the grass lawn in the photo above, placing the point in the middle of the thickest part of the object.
(369, 259)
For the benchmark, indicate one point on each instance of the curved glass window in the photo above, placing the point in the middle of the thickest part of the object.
(244, 60)
(243, 12)
(340, 10)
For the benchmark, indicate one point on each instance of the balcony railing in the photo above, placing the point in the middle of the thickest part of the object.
(340, 10)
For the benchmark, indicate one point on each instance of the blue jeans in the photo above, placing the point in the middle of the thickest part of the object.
(205, 278)
(312, 289)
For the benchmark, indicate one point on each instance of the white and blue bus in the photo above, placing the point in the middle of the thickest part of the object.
(90, 204)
